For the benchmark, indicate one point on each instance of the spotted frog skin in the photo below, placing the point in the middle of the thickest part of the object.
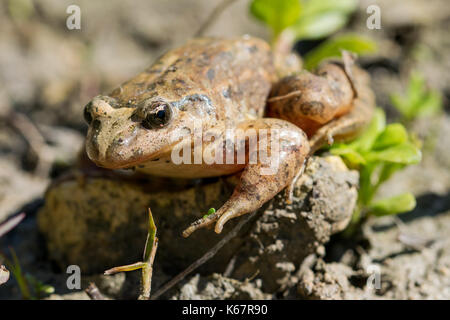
(218, 85)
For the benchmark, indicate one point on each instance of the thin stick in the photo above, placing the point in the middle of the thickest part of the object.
(213, 16)
(10, 224)
(147, 273)
(93, 292)
(35, 139)
(128, 267)
(208, 255)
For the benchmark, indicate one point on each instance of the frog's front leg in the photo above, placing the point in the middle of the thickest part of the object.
(275, 152)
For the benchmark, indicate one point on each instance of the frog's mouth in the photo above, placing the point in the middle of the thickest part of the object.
(125, 153)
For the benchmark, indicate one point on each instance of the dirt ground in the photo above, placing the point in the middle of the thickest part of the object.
(48, 73)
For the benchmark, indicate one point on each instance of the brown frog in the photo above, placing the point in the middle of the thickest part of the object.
(216, 104)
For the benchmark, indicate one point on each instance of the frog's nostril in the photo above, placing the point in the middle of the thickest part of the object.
(87, 113)
(96, 124)
(99, 107)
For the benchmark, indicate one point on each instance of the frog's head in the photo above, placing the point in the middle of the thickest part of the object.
(122, 136)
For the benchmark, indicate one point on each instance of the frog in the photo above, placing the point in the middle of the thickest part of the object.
(220, 87)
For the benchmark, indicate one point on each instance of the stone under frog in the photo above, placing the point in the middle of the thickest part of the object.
(209, 88)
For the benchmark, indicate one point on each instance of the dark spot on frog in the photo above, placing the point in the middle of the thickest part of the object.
(312, 107)
(186, 130)
(167, 161)
(253, 49)
(151, 86)
(210, 74)
(227, 93)
(177, 81)
(157, 159)
(154, 71)
(225, 54)
(161, 82)
(138, 152)
(171, 69)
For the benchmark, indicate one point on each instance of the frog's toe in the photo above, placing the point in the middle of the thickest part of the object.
(224, 218)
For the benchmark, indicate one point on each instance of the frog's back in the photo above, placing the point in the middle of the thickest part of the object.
(233, 75)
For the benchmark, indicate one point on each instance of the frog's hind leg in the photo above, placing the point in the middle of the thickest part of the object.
(349, 125)
(262, 179)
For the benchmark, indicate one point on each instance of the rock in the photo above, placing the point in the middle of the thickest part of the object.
(99, 222)
(328, 281)
(283, 236)
(217, 287)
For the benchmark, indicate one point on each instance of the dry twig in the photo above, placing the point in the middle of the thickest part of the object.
(11, 223)
(213, 16)
(93, 292)
(36, 141)
(208, 255)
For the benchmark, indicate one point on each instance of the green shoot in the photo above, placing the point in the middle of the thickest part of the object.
(308, 19)
(377, 153)
(313, 19)
(334, 46)
(146, 265)
(418, 100)
(210, 212)
(277, 14)
(321, 18)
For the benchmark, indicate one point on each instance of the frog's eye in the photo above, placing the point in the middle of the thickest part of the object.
(158, 117)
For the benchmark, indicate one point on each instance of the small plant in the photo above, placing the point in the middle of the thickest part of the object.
(334, 46)
(312, 19)
(379, 152)
(418, 100)
(30, 287)
(146, 265)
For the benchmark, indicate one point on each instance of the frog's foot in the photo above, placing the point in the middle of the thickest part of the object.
(261, 180)
(220, 217)
(289, 191)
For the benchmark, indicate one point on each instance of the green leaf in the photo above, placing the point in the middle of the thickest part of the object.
(352, 157)
(402, 105)
(418, 100)
(314, 7)
(318, 27)
(277, 14)
(393, 205)
(320, 18)
(368, 137)
(393, 134)
(431, 104)
(366, 189)
(333, 47)
(387, 171)
(210, 212)
(405, 153)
